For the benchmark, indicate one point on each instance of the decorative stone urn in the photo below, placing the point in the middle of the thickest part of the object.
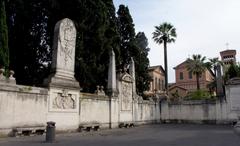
(1, 73)
(11, 73)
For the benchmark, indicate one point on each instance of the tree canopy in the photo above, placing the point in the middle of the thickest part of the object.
(142, 63)
(132, 45)
(31, 27)
(127, 35)
(232, 71)
(4, 50)
(197, 66)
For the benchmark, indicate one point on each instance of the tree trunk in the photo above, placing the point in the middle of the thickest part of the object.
(166, 65)
(198, 84)
(215, 73)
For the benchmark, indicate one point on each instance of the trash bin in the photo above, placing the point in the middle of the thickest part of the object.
(236, 128)
(50, 133)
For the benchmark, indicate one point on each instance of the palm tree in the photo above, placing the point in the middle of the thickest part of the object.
(214, 62)
(197, 66)
(165, 33)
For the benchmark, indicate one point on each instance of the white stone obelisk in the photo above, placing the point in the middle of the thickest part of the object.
(132, 73)
(112, 86)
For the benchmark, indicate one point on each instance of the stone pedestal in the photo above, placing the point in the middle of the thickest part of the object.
(125, 85)
(64, 90)
(63, 58)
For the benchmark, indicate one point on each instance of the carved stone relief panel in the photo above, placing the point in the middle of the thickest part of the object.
(67, 39)
(64, 46)
(64, 100)
(126, 102)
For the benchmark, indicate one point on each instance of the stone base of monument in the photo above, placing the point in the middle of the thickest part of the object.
(55, 81)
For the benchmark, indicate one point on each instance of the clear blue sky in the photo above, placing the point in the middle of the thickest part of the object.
(203, 27)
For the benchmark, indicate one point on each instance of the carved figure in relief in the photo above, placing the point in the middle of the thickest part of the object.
(126, 96)
(67, 40)
(64, 101)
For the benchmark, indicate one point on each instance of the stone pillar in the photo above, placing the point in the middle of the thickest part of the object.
(219, 82)
(64, 90)
(63, 57)
(112, 92)
(132, 73)
(112, 86)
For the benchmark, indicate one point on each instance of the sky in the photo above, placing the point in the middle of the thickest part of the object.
(203, 27)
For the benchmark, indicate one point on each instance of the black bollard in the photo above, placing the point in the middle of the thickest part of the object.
(50, 133)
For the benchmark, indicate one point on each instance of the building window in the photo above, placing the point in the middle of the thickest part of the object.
(156, 84)
(163, 85)
(159, 84)
(181, 75)
(152, 85)
(190, 75)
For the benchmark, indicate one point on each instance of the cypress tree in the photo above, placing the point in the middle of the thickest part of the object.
(127, 35)
(133, 46)
(4, 52)
(142, 63)
(29, 47)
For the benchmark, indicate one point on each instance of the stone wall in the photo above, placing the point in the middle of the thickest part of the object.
(27, 107)
(100, 109)
(220, 111)
(94, 109)
(147, 112)
(195, 112)
(22, 106)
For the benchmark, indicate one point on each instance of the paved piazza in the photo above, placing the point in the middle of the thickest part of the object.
(148, 135)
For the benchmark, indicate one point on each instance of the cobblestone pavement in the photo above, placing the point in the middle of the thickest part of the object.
(148, 135)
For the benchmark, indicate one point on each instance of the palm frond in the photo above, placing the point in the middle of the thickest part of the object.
(164, 32)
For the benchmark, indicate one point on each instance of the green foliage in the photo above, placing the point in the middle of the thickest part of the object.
(212, 87)
(133, 46)
(31, 25)
(127, 35)
(163, 34)
(142, 63)
(197, 66)
(31, 29)
(233, 71)
(29, 40)
(198, 95)
(4, 50)
(214, 62)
